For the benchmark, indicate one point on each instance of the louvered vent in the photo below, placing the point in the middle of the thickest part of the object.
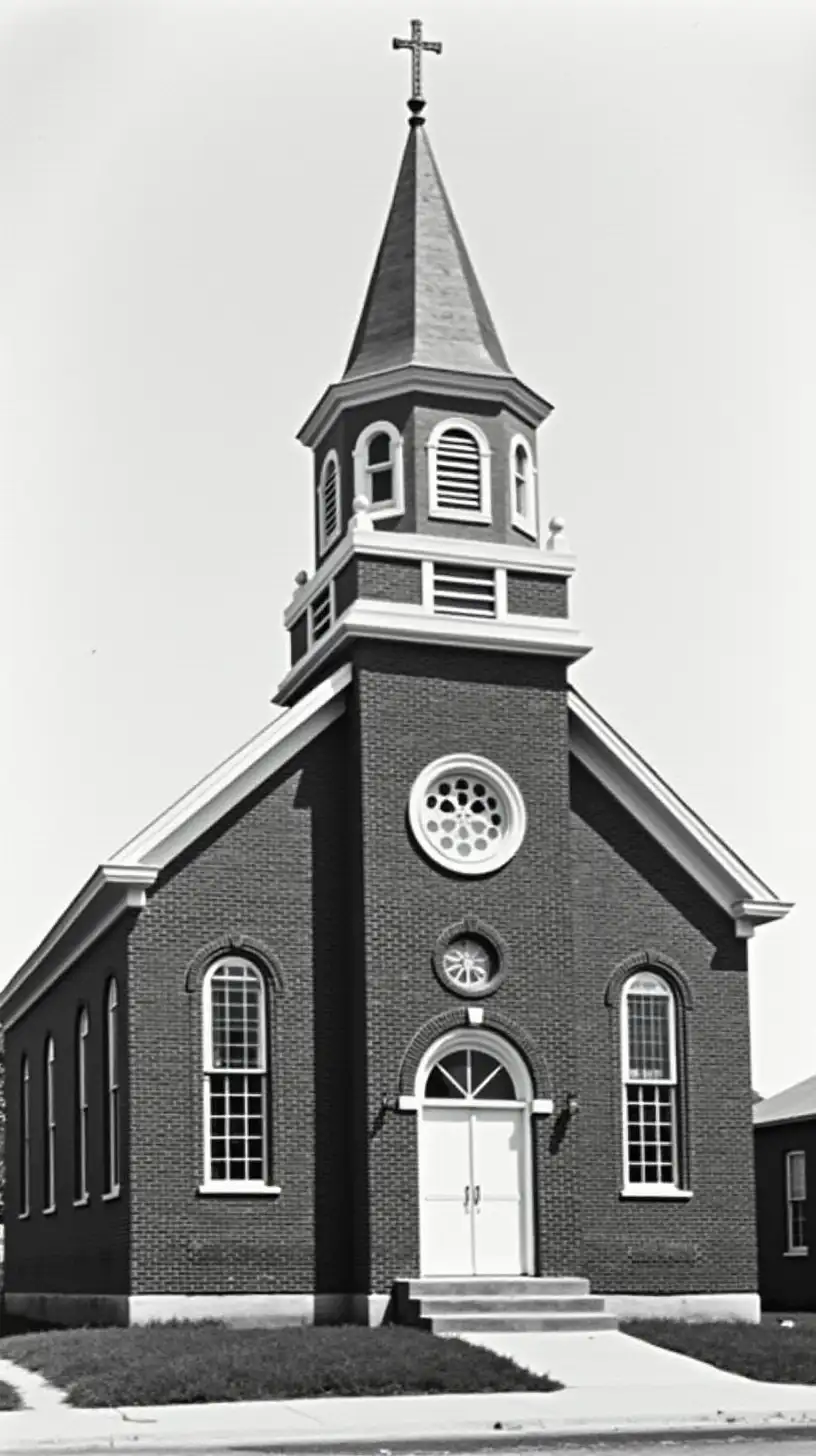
(464, 591)
(458, 472)
(329, 505)
(321, 614)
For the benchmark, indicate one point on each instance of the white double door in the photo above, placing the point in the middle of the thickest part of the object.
(473, 1176)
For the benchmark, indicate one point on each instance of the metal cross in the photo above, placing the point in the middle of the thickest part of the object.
(416, 45)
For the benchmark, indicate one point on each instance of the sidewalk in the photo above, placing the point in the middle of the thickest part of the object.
(616, 1387)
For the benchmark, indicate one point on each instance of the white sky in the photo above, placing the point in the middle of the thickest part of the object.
(192, 193)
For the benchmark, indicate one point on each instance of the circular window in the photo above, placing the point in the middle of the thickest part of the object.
(469, 965)
(467, 814)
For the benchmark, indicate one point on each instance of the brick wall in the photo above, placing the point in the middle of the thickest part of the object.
(74, 1249)
(413, 705)
(629, 895)
(785, 1281)
(536, 596)
(273, 874)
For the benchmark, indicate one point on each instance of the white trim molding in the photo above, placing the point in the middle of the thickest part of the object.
(497, 781)
(363, 471)
(392, 384)
(669, 820)
(484, 514)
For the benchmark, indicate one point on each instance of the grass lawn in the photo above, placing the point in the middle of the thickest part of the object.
(9, 1399)
(168, 1364)
(763, 1352)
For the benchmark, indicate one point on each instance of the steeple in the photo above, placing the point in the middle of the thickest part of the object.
(428, 522)
(424, 305)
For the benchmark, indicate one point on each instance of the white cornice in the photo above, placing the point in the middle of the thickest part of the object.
(122, 883)
(682, 833)
(223, 789)
(399, 622)
(419, 378)
(411, 546)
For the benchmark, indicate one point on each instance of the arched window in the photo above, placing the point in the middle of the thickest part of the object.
(522, 487)
(236, 1094)
(378, 469)
(81, 1110)
(459, 472)
(49, 1128)
(650, 1084)
(112, 1107)
(25, 1139)
(328, 503)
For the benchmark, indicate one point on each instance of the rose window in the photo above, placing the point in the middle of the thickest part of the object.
(467, 814)
(469, 964)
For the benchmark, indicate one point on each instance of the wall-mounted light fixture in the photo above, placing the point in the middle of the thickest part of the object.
(573, 1105)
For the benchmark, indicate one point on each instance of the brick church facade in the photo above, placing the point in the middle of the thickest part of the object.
(435, 975)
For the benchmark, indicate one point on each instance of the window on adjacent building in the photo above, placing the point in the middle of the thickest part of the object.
(112, 1104)
(328, 503)
(236, 1094)
(796, 1202)
(49, 1128)
(25, 1138)
(459, 472)
(522, 487)
(378, 469)
(81, 1110)
(649, 1036)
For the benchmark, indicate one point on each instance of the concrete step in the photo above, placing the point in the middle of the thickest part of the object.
(489, 1323)
(432, 1306)
(500, 1288)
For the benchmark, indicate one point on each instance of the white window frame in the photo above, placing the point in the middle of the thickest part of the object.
(25, 1137)
(113, 1140)
(793, 1249)
(524, 521)
(50, 1127)
(667, 1189)
(81, 1111)
(324, 541)
(363, 473)
(209, 1070)
(484, 515)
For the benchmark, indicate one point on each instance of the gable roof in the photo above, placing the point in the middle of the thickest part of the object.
(123, 881)
(793, 1104)
(424, 305)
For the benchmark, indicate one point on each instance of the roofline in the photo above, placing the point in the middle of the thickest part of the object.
(777, 1121)
(415, 378)
(122, 883)
(670, 820)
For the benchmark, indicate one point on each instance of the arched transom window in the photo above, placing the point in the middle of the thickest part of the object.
(522, 487)
(649, 1038)
(378, 469)
(473, 1066)
(459, 472)
(235, 1076)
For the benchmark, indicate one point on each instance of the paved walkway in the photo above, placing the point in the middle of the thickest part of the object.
(613, 1384)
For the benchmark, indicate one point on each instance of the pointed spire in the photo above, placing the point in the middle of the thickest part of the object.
(424, 305)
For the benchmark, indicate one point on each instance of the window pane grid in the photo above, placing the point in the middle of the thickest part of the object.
(237, 1116)
(796, 1194)
(649, 1021)
(25, 1140)
(650, 1134)
(112, 1154)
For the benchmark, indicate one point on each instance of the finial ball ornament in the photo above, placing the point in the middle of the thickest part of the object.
(301, 578)
(557, 524)
(360, 504)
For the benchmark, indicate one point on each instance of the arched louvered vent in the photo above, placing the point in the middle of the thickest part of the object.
(328, 503)
(458, 476)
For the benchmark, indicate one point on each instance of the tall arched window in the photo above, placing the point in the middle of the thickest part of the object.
(650, 1084)
(459, 472)
(522, 487)
(49, 1128)
(329, 520)
(378, 469)
(236, 1094)
(112, 1107)
(81, 1109)
(25, 1138)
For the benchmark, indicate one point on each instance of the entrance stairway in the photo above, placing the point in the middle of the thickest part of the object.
(456, 1306)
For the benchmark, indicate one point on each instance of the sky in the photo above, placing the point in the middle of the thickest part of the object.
(192, 194)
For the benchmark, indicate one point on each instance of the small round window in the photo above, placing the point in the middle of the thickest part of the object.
(467, 814)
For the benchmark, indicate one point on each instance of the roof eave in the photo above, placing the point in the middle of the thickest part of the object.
(411, 378)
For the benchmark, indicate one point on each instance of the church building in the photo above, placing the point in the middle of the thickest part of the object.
(435, 989)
